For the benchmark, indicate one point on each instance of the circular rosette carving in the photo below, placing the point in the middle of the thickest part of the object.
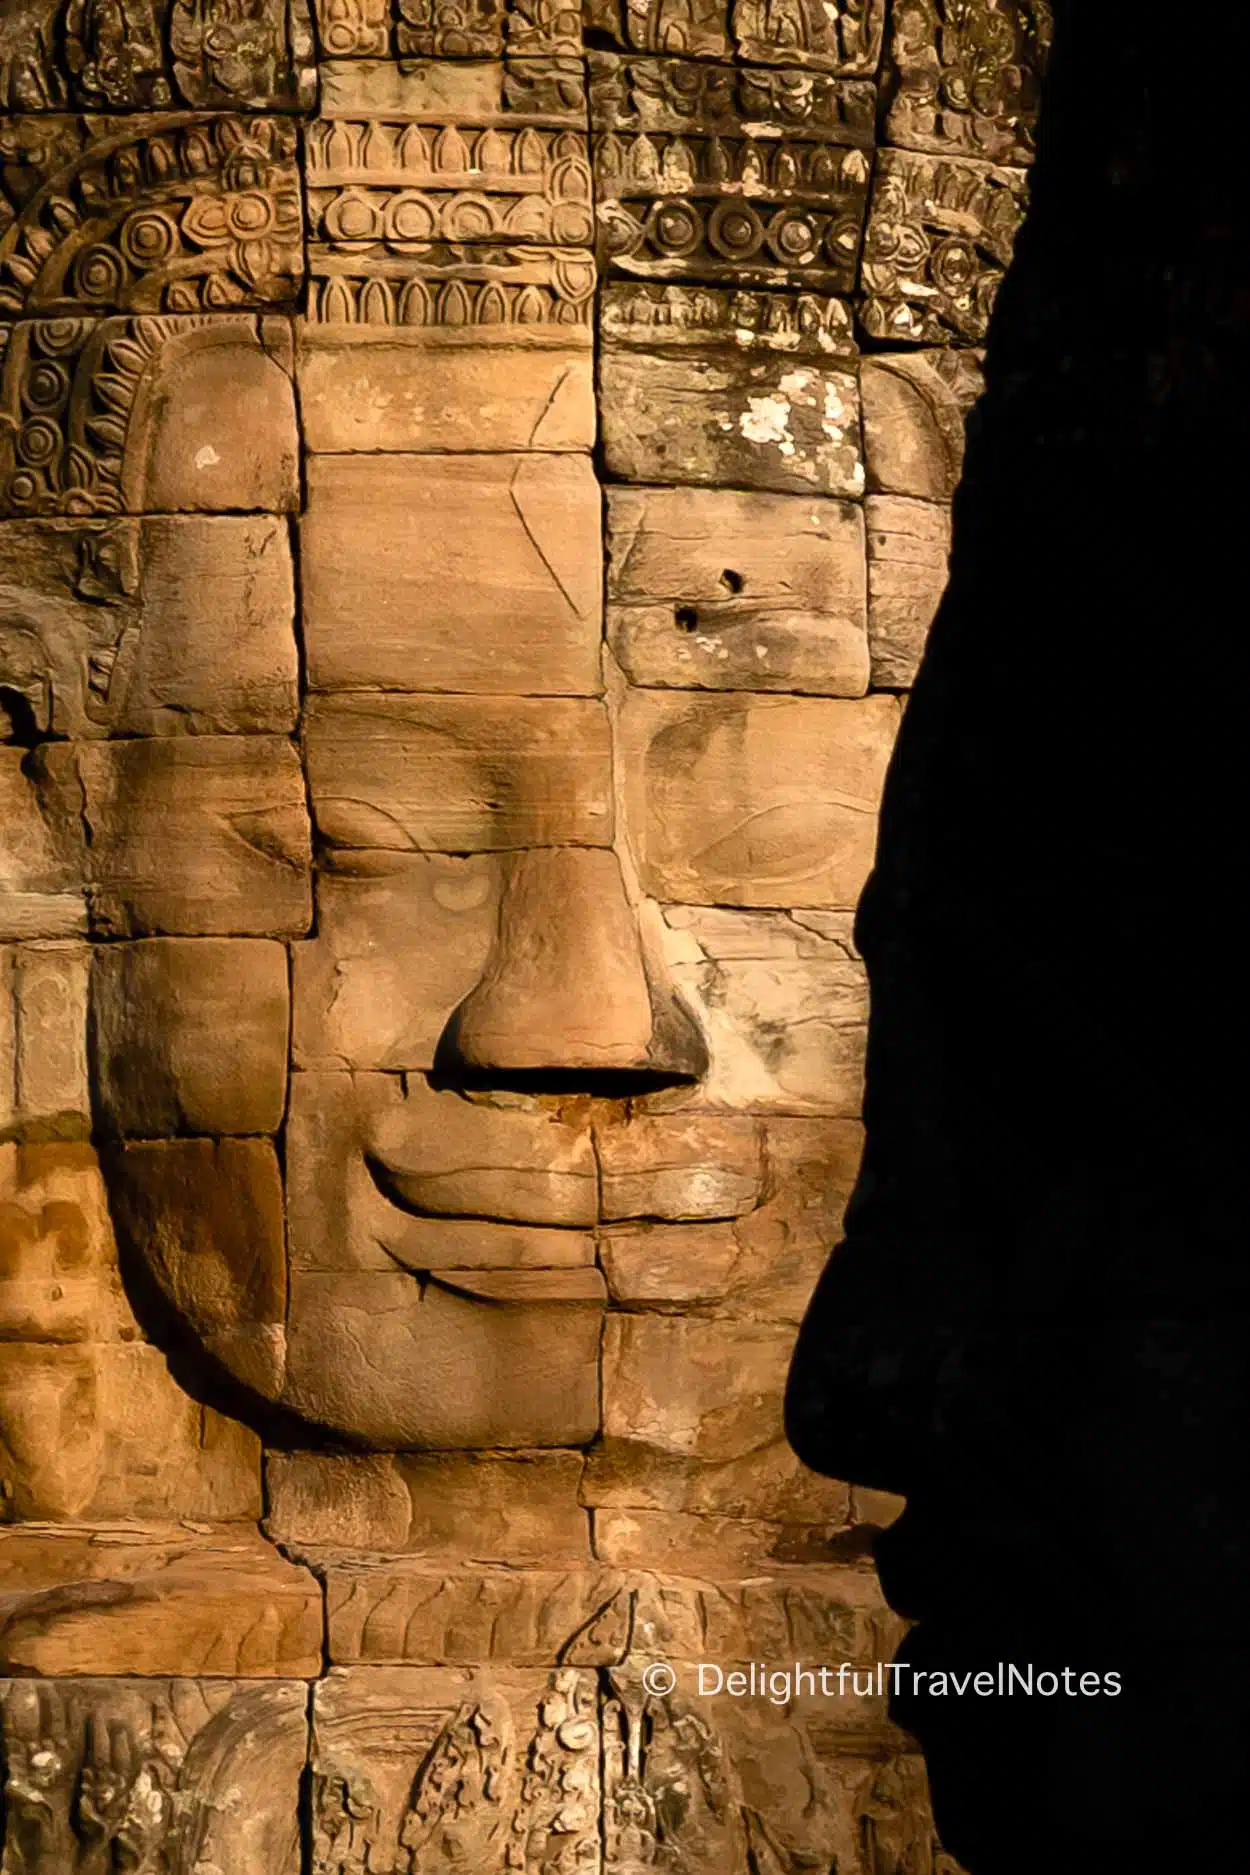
(735, 231)
(674, 229)
(409, 219)
(353, 218)
(46, 386)
(469, 217)
(38, 442)
(794, 237)
(148, 239)
(99, 276)
(954, 266)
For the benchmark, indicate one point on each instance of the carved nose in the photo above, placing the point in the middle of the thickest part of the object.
(568, 999)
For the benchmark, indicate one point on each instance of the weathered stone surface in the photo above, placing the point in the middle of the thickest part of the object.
(705, 1543)
(444, 1156)
(477, 573)
(761, 1266)
(91, 1422)
(459, 775)
(203, 1219)
(170, 216)
(154, 1599)
(453, 1765)
(451, 194)
(101, 1430)
(448, 1508)
(453, 1359)
(151, 627)
(41, 846)
(782, 998)
(401, 1610)
(908, 545)
(413, 388)
(190, 1035)
(198, 835)
(739, 422)
(43, 1039)
(137, 1770)
(966, 77)
(680, 1166)
(59, 1281)
(939, 237)
(730, 173)
(173, 415)
(153, 53)
(711, 589)
(755, 800)
(341, 1217)
(846, 40)
(565, 988)
(394, 954)
(701, 319)
(692, 1422)
(914, 408)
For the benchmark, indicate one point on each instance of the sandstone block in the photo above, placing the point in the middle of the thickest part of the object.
(459, 775)
(680, 1166)
(190, 1035)
(425, 388)
(785, 208)
(705, 1544)
(443, 1156)
(59, 1281)
(41, 846)
(43, 1039)
(915, 405)
(120, 1764)
(344, 1213)
(149, 627)
(566, 987)
(386, 1741)
(762, 1266)
(755, 800)
(932, 107)
(782, 1002)
(393, 956)
(908, 545)
(445, 1507)
(939, 237)
(453, 1359)
(711, 589)
(739, 422)
(152, 1599)
(102, 1431)
(848, 42)
(476, 573)
(692, 1423)
(203, 1220)
(197, 835)
(405, 1610)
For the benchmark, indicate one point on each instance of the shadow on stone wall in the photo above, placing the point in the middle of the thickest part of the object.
(1036, 1325)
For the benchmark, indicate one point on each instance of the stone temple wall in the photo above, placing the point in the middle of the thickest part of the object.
(474, 484)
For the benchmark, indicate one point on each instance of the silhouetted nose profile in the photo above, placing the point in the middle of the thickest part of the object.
(571, 997)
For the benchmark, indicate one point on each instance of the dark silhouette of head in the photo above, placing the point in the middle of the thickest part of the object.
(1036, 1325)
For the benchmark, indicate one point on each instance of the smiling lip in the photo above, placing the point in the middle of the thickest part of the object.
(700, 1192)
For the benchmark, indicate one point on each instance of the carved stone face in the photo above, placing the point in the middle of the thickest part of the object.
(472, 930)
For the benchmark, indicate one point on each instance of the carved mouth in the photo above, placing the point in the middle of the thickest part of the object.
(491, 1194)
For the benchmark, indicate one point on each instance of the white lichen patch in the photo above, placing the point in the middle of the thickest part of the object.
(767, 420)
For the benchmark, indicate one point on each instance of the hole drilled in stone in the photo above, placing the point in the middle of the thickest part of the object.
(687, 618)
(733, 582)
